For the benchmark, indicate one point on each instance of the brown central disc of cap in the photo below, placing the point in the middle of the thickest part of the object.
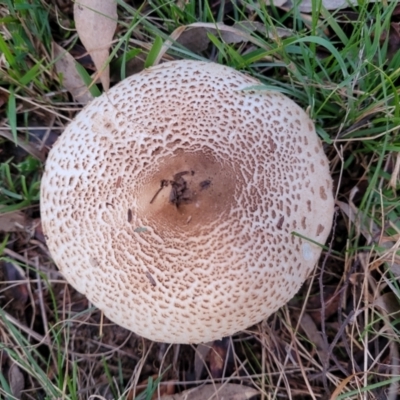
(185, 190)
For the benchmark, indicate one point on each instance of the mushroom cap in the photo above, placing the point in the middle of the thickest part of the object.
(173, 201)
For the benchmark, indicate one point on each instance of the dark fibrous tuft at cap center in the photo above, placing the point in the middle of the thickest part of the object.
(180, 192)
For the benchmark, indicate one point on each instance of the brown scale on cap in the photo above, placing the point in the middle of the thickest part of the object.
(171, 202)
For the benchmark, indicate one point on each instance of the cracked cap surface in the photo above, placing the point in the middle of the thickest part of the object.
(171, 202)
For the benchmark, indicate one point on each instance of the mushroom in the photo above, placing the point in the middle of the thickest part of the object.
(186, 204)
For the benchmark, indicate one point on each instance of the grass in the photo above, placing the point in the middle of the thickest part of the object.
(339, 337)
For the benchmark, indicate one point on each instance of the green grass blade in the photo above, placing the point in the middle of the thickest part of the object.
(30, 75)
(93, 88)
(154, 51)
(12, 114)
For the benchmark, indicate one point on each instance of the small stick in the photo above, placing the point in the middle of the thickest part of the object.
(164, 183)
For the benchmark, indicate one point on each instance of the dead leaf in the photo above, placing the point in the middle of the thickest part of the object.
(220, 391)
(18, 292)
(195, 36)
(200, 357)
(237, 33)
(71, 80)
(364, 225)
(395, 268)
(96, 22)
(217, 357)
(132, 67)
(315, 337)
(25, 145)
(82, 57)
(331, 304)
(3, 98)
(194, 39)
(13, 221)
(306, 5)
(16, 380)
(394, 39)
(388, 249)
(256, 26)
(38, 230)
(388, 302)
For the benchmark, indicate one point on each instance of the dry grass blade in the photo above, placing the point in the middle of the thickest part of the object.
(395, 177)
(96, 22)
(173, 37)
(71, 80)
(340, 387)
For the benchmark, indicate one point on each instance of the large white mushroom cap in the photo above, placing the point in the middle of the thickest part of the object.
(172, 201)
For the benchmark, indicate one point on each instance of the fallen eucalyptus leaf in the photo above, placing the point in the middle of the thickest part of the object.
(388, 250)
(220, 391)
(200, 358)
(21, 142)
(313, 334)
(195, 36)
(71, 80)
(218, 357)
(16, 380)
(13, 221)
(364, 224)
(306, 6)
(255, 26)
(96, 22)
(389, 303)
